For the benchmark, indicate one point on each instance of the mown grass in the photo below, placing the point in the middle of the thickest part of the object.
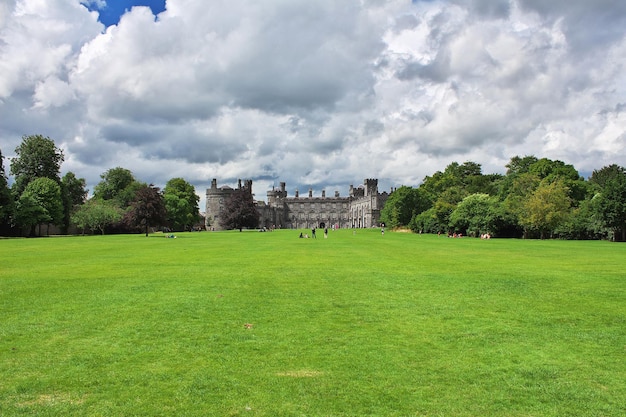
(266, 324)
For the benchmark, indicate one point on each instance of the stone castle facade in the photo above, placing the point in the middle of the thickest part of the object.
(360, 209)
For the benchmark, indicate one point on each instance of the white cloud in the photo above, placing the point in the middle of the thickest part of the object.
(315, 93)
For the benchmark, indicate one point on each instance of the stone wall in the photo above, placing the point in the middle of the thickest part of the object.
(361, 209)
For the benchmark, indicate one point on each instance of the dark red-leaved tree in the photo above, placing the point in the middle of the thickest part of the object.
(147, 209)
(240, 211)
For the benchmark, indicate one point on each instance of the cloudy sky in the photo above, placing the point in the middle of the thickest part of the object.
(318, 94)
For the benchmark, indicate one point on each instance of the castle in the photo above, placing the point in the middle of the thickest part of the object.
(360, 209)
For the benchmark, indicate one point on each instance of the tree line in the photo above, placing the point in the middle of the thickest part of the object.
(536, 198)
(40, 197)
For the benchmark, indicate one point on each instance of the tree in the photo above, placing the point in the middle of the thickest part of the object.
(466, 177)
(6, 200)
(516, 168)
(476, 214)
(181, 203)
(147, 209)
(40, 202)
(402, 205)
(118, 185)
(29, 213)
(547, 207)
(37, 157)
(520, 190)
(520, 165)
(550, 170)
(442, 212)
(96, 215)
(74, 195)
(599, 178)
(240, 211)
(584, 222)
(611, 205)
(428, 222)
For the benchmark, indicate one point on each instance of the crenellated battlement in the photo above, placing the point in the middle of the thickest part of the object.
(361, 208)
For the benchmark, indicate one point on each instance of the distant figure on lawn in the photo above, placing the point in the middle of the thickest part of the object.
(326, 233)
(313, 233)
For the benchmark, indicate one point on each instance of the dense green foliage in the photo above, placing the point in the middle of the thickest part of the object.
(6, 200)
(97, 215)
(402, 205)
(181, 204)
(266, 324)
(536, 198)
(119, 186)
(120, 202)
(40, 203)
(37, 157)
(74, 195)
(611, 204)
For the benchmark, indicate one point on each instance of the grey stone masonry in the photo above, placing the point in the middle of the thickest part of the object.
(360, 209)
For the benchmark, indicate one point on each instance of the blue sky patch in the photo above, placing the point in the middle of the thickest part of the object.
(110, 13)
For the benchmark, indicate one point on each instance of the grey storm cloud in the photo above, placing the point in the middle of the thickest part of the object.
(315, 93)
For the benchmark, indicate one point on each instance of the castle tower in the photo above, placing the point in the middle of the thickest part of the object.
(371, 187)
(360, 209)
(275, 197)
(215, 198)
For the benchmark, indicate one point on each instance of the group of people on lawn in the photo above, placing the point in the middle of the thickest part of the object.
(313, 235)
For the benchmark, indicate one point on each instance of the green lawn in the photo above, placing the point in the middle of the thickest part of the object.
(266, 324)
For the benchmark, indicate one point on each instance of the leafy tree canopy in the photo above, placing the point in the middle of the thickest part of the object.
(74, 189)
(520, 165)
(74, 195)
(240, 211)
(119, 185)
(402, 205)
(147, 209)
(611, 204)
(181, 203)
(96, 215)
(477, 214)
(546, 208)
(37, 157)
(6, 200)
(41, 202)
(601, 177)
(458, 181)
